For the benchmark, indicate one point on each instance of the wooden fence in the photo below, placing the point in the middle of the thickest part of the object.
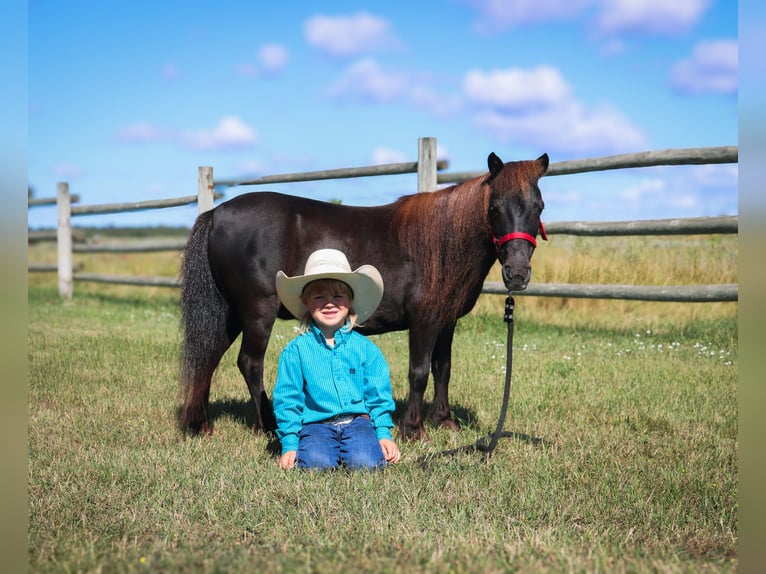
(427, 168)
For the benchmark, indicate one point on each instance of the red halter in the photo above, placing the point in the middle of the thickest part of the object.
(499, 241)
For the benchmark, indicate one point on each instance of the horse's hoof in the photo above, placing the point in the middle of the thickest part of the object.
(198, 430)
(413, 434)
(449, 424)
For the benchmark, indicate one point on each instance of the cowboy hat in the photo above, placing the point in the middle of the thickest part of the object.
(365, 282)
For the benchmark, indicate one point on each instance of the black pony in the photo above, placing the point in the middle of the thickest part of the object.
(434, 251)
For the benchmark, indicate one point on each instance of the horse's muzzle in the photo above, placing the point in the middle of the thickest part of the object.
(516, 281)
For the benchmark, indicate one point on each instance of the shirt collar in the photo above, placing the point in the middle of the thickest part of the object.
(340, 335)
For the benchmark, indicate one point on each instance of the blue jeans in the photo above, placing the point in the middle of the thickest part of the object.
(326, 445)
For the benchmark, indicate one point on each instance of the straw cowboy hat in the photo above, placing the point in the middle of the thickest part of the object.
(365, 282)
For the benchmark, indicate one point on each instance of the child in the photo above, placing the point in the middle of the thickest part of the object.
(332, 398)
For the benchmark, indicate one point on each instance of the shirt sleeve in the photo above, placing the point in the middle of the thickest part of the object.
(378, 396)
(288, 398)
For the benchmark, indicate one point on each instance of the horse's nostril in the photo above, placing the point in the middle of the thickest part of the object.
(516, 280)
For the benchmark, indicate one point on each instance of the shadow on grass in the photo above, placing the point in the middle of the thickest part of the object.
(243, 412)
(463, 416)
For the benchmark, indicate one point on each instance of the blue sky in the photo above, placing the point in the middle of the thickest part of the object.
(127, 99)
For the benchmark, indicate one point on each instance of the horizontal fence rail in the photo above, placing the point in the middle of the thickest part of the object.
(132, 246)
(681, 156)
(48, 267)
(684, 226)
(341, 173)
(669, 293)
(148, 281)
(136, 205)
(37, 202)
(427, 169)
(51, 235)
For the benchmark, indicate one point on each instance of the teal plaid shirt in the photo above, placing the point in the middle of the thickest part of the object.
(316, 382)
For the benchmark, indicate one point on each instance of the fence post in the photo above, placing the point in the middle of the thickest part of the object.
(205, 189)
(64, 240)
(426, 164)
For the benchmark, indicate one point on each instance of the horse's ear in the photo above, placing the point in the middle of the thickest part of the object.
(495, 164)
(543, 161)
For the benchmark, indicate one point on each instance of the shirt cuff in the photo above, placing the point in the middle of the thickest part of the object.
(289, 442)
(383, 432)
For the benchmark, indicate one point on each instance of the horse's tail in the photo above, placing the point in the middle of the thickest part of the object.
(203, 321)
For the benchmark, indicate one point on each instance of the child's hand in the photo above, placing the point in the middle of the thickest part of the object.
(287, 460)
(390, 450)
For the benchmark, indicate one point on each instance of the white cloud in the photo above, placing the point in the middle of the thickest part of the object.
(350, 36)
(659, 196)
(608, 18)
(140, 132)
(559, 198)
(366, 80)
(383, 155)
(713, 67)
(251, 167)
(716, 175)
(537, 107)
(424, 96)
(651, 17)
(645, 189)
(499, 15)
(531, 106)
(570, 128)
(516, 88)
(683, 191)
(273, 57)
(231, 132)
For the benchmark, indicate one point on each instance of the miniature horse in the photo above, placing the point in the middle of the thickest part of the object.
(434, 251)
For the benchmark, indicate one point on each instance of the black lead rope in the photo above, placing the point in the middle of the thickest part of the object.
(481, 445)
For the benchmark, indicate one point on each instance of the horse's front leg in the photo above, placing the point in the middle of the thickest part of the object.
(421, 347)
(441, 365)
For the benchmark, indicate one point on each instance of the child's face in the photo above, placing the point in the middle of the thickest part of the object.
(329, 310)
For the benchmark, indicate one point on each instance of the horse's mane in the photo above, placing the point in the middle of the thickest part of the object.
(430, 219)
(444, 232)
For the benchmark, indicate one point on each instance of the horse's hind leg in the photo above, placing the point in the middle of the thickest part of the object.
(197, 368)
(441, 365)
(255, 340)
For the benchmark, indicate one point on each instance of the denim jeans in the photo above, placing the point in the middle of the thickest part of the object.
(326, 445)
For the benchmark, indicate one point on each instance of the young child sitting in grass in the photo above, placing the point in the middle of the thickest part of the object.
(332, 398)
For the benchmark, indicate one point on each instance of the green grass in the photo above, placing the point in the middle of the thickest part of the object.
(637, 403)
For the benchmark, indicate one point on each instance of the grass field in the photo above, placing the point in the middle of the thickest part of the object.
(637, 403)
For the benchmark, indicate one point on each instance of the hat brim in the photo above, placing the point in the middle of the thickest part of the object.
(365, 282)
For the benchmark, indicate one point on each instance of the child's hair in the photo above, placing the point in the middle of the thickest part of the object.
(333, 287)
